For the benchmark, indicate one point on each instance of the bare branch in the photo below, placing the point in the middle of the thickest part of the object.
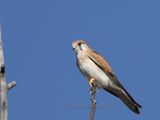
(3, 84)
(4, 113)
(93, 100)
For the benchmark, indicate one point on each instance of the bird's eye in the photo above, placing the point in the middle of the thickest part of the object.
(79, 44)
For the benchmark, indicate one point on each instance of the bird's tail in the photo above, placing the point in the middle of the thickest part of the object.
(130, 102)
(125, 97)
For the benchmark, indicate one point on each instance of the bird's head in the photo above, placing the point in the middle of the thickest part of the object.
(79, 45)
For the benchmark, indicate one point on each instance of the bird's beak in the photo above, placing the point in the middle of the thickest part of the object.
(73, 49)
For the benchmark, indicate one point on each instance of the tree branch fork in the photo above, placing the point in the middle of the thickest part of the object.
(4, 88)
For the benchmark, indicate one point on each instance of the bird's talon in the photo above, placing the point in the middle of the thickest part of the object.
(91, 81)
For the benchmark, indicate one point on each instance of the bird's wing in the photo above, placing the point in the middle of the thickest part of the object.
(119, 91)
(104, 65)
(101, 63)
(116, 88)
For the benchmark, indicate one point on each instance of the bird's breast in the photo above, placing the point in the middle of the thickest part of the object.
(91, 70)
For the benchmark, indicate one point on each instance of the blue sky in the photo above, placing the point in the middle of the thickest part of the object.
(37, 37)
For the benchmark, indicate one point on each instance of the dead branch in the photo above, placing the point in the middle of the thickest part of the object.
(4, 87)
(93, 100)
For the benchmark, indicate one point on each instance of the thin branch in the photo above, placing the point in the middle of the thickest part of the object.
(11, 85)
(93, 100)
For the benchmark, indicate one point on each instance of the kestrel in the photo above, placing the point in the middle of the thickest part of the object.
(95, 68)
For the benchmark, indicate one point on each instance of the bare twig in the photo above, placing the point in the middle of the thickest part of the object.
(93, 100)
(4, 87)
(11, 85)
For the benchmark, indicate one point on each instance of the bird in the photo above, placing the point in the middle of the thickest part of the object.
(96, 68)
